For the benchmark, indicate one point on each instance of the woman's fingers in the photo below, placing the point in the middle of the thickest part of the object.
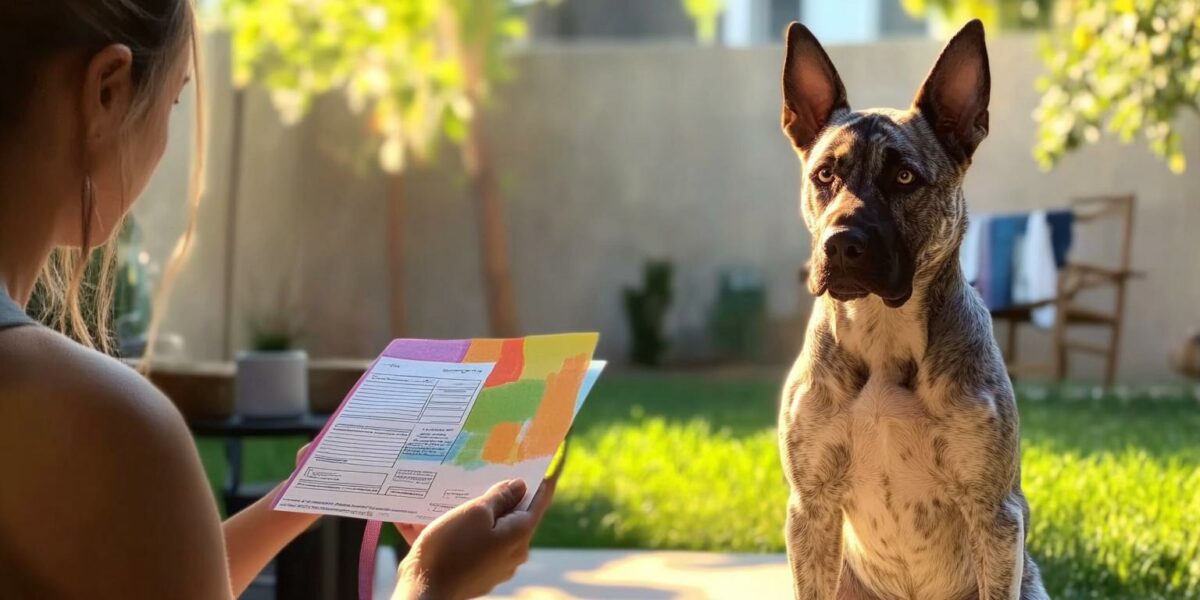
(502, 498)
(521, 524)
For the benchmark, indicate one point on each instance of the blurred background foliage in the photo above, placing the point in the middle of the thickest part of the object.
(1009, 14)
(407, 63)
(1117, 67)
(706, 15)
(422, 71)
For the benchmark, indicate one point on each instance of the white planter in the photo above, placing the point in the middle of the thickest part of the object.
(271, 384)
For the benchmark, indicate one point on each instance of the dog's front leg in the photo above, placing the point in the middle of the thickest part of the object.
(997, 536)
(814, 546)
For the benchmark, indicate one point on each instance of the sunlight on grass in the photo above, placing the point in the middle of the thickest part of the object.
(660, 485)
(1123, 521)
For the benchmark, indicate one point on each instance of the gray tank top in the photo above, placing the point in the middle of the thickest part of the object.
(11, 315)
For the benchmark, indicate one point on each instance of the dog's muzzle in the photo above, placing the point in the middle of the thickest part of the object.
(845, 256)
(858, 261)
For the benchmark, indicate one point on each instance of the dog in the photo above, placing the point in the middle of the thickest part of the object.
(898, 428)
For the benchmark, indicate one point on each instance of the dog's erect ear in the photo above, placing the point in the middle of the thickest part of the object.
(954, 97)
(812, 90)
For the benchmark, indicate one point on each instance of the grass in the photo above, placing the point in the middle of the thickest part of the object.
(686, 462)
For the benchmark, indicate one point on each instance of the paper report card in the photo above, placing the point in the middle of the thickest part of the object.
(434, 423)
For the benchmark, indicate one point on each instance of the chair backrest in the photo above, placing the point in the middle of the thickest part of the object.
(1093, 209)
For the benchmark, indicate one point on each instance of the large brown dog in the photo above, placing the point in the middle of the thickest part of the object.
(898, 429)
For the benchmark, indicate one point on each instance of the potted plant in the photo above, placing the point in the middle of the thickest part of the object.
(646, 310)
(272, 376)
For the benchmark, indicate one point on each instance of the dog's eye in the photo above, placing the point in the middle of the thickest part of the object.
(905, 177)
(825, 175)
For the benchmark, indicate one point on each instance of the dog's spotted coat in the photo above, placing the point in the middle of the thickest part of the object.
(898, 428)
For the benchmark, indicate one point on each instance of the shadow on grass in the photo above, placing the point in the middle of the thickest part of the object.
(1167, 428)
(1079, 574)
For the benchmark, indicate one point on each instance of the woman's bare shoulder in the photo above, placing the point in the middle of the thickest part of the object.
(100, 459)
(36, 352)
(47, 375)
(60, 401)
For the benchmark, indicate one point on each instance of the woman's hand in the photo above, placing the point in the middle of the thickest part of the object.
(475, 547)
(410, 531)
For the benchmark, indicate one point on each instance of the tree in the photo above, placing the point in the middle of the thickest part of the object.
(1124, 67)
(419, 68)
(481, 29)
(705, 14)
(1008, 14)
(1112, 66)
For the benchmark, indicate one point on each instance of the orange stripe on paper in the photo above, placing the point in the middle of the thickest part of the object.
(509, 364)
(483, 351)
(501, 445)
(553, 418)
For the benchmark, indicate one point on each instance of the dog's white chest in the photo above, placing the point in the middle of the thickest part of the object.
(904, 536)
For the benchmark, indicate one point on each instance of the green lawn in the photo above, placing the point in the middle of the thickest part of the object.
(681, 461)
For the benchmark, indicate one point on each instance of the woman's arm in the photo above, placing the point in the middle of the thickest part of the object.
(256, 534)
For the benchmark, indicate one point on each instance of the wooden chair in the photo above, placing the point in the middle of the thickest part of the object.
(1074, 278)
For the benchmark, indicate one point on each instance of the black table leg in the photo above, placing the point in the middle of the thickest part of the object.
(233, 458)
(295, 575)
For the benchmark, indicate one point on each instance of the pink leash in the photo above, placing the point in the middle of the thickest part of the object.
(366, 559)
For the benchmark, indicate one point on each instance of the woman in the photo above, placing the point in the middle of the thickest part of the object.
(103, 495)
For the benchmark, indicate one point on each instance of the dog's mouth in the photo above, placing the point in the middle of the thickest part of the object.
(844, 287)
(846, 291)
(850, 264)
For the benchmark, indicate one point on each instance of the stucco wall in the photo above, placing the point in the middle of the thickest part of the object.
(610, 155)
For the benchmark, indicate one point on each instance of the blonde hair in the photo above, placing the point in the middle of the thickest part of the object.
(157, 33)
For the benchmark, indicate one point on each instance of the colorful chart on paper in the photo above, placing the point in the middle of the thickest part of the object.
(527, 403)
(433, 423)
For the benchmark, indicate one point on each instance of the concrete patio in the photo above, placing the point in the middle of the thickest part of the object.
(616, 574)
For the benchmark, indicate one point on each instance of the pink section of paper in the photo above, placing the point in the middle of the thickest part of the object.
(431, 350)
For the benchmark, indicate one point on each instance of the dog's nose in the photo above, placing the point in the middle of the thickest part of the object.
(846, 247)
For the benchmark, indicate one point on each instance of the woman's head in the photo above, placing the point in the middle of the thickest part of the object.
(86, 90)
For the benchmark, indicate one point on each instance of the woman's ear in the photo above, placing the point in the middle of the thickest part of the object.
(107, 92)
